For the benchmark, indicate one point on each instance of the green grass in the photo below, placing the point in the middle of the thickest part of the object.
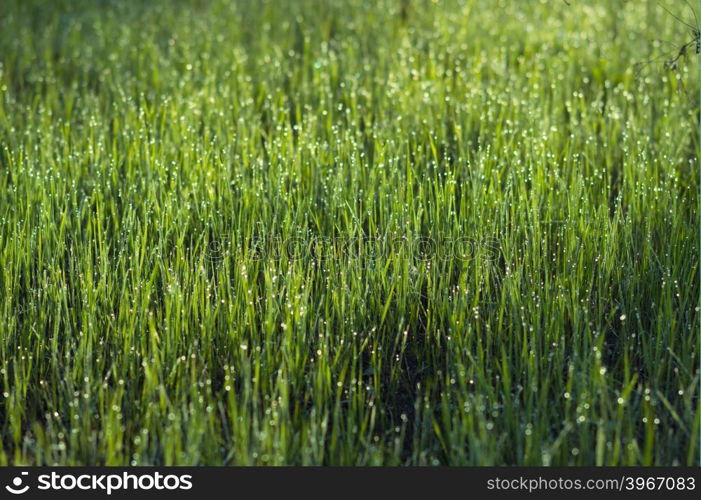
(347, 232)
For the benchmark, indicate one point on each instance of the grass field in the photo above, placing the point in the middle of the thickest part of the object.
(348, 232)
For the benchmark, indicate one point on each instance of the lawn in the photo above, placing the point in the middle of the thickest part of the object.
(399, 232)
